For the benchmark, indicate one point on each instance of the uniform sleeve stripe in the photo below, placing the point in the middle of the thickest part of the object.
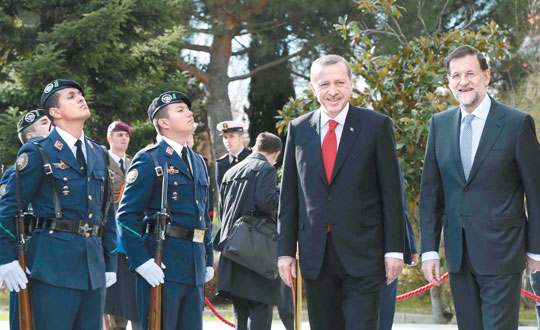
(7, 231)
(113, 251)
(209, 243)
(129, 229)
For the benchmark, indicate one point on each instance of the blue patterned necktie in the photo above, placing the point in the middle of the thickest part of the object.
(465, 145)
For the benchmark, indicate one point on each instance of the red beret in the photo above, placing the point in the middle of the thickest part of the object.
(116, 126)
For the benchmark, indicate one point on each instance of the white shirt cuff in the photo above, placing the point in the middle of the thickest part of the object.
(533, 256)
(397, 255)
(430, 255)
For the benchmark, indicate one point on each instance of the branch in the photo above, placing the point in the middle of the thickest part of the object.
(420, 5)
(270, 64)
(440, 16)
(298, 74)
(192, 70)
(198, 48)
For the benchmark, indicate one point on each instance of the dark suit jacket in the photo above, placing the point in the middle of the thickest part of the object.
(223, 164)
(489, 206)
(362, 204)
(250, 185)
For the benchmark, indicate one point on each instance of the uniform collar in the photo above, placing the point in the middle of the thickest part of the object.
(175, 145)
(70, 139)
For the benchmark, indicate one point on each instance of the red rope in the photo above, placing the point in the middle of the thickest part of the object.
(419, 290)
(530, 295)
(292, 289)
(209, 304)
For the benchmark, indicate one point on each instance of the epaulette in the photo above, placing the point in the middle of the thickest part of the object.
(36, 139)
(94, 141)
(149, 147)
(223, 157)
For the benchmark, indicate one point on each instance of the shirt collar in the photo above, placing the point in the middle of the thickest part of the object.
(175, 145)
(236, 155)
(482, 111)
(340, 118)
(70, 139)
(116, 158)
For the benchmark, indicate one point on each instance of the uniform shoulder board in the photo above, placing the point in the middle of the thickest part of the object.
(94, 141)
(149, 147)
(223, 157)
(36, 139)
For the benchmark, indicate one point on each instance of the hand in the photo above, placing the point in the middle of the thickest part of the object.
(393, 267)
(110, 279)
(432, 266)
(209, 274)
(414, 260)
(151, 272)
(14, 276)
(533, 266)
(286, 264)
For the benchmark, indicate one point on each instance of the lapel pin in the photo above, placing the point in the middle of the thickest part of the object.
(58, 145)
(170, 150)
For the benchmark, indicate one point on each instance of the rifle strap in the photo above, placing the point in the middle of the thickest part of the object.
(47, 168)
(108, 186)
(159, 170)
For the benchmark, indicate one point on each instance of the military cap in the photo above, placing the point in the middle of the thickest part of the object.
(166, 99)
(56, 85)
(229, 126)
(117, 126)
(29, 118)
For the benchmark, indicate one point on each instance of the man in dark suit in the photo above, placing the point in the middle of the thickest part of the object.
(341, 201)
(250, 188)
(482, 158)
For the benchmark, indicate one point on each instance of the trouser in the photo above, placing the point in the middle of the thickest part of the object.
(182, 305)
(286, 312)
(535, 284)
(251, 315)
(489, 302)
(337, 300)
(388, 306)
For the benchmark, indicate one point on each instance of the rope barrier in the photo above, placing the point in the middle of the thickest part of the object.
(398, 298)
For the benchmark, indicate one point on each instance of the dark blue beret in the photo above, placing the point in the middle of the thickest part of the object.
(56, 85)
(166, 99)
(29, 118)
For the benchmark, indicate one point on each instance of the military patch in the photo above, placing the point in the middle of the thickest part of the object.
(3, 190)
(29, 117)
(166, 98)
(48, 88)
(22, 161)
(169, 150)
(58, 145)
(132, 176)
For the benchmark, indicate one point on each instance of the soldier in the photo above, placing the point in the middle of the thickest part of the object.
(184, 244)
(32, 124)
(233, 139)
(120, 299)
(71, 252)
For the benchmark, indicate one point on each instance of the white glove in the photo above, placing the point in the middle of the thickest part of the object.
(209, 274)
(13, 276)
(110, 279)
(151, 272)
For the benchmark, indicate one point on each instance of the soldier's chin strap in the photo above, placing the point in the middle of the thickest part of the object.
(47, 168)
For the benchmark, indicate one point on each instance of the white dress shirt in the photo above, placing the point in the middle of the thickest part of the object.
(479, 121)
(117, 159)
(70, 140)
(340, 118)
(178, 149)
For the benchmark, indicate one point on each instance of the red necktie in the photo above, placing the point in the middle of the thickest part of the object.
(329, 151)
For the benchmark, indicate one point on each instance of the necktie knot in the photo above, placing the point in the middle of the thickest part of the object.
(332, 124)
(468, 119)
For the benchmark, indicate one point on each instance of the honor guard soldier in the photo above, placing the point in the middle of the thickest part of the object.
(71, 254)
(32, 124)
(120, 299)
(172, 162)
(233, 138)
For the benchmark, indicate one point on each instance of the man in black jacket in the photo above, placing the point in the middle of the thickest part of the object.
(249, 186)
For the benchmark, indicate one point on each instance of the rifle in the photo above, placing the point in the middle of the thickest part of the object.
(25, 311)
(154, 317)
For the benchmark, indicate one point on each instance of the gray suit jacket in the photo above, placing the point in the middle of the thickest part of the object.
(489, 206)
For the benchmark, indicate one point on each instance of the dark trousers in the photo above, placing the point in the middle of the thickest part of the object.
(535, 284)
(388, 306)
(251, 315)
(182, 305)
(56, 308)
(286, 312)
(337, 300)
(489, 302)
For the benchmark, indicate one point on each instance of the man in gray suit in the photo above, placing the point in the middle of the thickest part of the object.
(250, 186)
(482, 159)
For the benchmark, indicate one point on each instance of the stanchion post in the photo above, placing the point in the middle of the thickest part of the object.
(298, 294)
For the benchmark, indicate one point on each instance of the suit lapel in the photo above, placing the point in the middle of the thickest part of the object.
(91, 155)
(453, 141)
(314, 136)
(64, 152)
(492, 129)
(348, 137)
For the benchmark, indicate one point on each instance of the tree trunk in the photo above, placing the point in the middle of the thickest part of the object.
(440, 305)
(218, 105)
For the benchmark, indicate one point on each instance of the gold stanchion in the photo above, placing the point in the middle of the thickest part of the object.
(298, 296)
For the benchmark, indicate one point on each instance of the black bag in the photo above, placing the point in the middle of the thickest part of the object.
(252, 244)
